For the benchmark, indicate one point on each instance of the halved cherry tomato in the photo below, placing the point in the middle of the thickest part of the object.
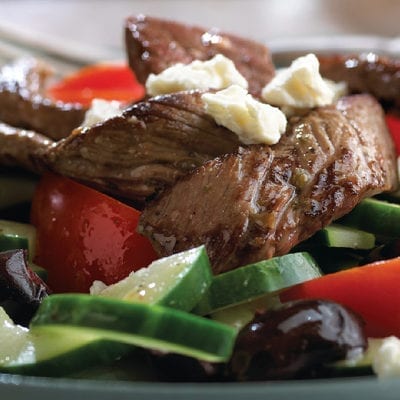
(103, 81)
(83, 235)
(372, 291)
(393, 124)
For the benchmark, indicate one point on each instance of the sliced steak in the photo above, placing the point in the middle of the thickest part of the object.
(146, 149)
(366, 73)
(154, 44)
(261, 201)
(22, 103)
(22, 148)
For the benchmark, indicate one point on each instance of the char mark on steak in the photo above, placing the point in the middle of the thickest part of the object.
(365, 73)
(154, 44)
(261, 201)
(138, 154)
(24, 105)
(22, 148)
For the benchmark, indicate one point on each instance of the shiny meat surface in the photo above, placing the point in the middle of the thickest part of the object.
(137, 155)
(154, 44)
(261, 201)
(366, 73)
(22, 148)
(23, 104)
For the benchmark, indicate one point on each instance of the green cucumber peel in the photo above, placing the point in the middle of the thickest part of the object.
(139, 324)
(375, 216)
(178, 281)
(254, 280)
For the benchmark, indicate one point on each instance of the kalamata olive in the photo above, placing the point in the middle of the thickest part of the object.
(296, 341)
(21, 290)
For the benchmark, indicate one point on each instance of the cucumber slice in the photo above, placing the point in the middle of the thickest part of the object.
(349, 368)
(49, 354)
(241, 314)
(336, 235)
(19, 230)
(376, 216)
(12, 242)
(144, 325)
(16, 189)
(255, 280)
(177, 281)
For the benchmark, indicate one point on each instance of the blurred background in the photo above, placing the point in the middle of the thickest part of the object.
(93, 28)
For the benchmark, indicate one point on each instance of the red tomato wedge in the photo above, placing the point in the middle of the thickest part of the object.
(372, 291)
(103, 81)
(393, 124)
(84, 235)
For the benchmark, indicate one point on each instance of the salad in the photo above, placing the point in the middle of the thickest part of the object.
(209, 219)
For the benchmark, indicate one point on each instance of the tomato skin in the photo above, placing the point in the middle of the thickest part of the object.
(372, 291)
(102, 81)
(84, 235)
(393, 123)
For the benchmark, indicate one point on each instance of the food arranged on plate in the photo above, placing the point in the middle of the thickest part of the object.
(200, 214)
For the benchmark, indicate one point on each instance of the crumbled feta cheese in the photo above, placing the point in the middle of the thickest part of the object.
(100, 111)
(301, 86)
(251, 120)
(385, 354)
(14, 339)
(217, 73)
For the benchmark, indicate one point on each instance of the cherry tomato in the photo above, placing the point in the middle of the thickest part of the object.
(372, 291)
(393, 124)
(84, 235)
(103, 81)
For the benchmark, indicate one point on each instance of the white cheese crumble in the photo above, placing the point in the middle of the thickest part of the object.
(252, 121)
(14, 339)
(216, 73)
(385, 355)
(302, 86)
(100, 111)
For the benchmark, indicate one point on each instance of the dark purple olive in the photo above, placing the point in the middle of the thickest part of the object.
(21, 290)
(296, 341)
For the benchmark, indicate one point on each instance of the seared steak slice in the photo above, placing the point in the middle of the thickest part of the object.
(154, 44)
(22, 148)
(366, 73)
(261, 201)
(153, 143)
(22, 103)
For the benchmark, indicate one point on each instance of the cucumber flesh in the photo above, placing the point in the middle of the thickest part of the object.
(139, 324)
(336, 235)
(177, 281)
(375, 216)
(49, 354)
(240, 315)
(25, 232)
(255, 280)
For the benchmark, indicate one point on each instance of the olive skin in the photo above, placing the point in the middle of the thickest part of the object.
(21, 290)
(297, 340)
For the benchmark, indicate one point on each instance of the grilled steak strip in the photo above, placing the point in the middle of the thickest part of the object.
(366, 73)
(146, 149)
(154, 44)
(261, 201)
(22, 148)
(22, 103)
